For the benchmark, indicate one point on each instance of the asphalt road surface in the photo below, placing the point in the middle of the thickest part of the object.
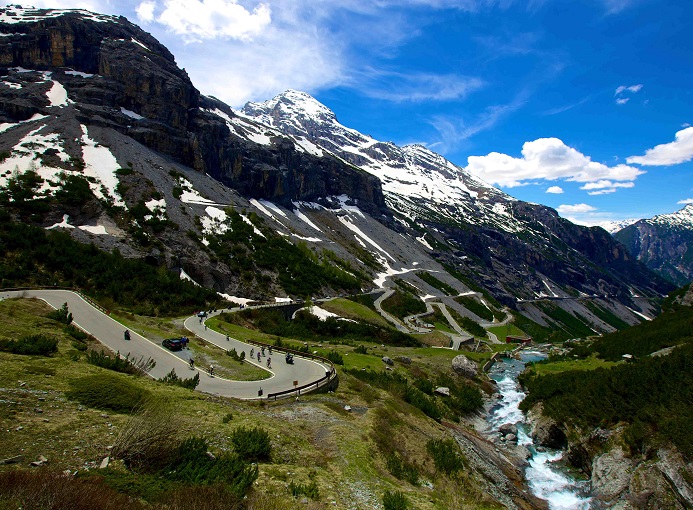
(111, 333)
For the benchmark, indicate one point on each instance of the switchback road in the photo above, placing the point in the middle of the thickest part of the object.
(109, 332)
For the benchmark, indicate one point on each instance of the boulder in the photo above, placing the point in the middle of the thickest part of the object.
(508, 428)
(511, 438)
(388, 361)
(545, 430)
(611, 474)
(405, 360)
(442, 390)
(463, 366)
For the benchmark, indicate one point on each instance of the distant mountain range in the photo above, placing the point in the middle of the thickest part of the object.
(243, 201)
(663, 243)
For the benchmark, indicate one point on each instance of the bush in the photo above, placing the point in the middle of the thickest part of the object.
(251, 444)
(30, 345)
(401, 469)
(227, 418)
(311, 489)
(192, 464)
(61, 315)
(78, 334)
(445, 454)
(173, 379)
(361, 350)
(43, 489)
(117, 363)
(395, 501)
(150, 437)
(108, 392)
(335, 357)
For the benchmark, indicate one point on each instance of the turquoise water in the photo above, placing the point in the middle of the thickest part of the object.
(545, 476)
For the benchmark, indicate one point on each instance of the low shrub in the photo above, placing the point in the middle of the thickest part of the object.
(50, 490)
(402, 469)
(361, 350)
(395, 500)
(173, 379)
(32, 345)
(117, 363)
(227, 418)
(108, 392)
(193, 465)
(310, 490)
(62, 314)
(445, 454)
(335, 357)
(252, 444)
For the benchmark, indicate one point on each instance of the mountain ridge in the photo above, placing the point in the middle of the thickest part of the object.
(664, 243)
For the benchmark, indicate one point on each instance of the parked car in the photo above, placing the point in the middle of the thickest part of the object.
(173, 344)
(202, 314)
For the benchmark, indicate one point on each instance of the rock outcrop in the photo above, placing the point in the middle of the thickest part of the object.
(545, 431)
(465, 367)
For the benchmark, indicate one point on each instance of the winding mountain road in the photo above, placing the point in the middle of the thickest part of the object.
(110, 333)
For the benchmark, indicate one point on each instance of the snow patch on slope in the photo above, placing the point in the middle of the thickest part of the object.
(101, 164)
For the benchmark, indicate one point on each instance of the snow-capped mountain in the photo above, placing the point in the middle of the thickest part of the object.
(413, 177)
(614, 226)
(664, 243)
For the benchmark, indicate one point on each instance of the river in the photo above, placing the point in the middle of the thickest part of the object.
(545, 476)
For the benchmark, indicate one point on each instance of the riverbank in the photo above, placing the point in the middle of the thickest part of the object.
(506, 426)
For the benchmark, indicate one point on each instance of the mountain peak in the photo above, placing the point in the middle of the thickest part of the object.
(13, 14)
(681, 218)
(291, 103)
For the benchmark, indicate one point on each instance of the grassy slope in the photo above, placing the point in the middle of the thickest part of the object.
(356, 311)
(313, 438)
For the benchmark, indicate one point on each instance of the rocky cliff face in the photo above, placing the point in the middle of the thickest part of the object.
(664, 244)
(108, 65)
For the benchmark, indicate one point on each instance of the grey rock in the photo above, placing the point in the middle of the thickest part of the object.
(463, 366)
(388, 361)
(12, 460)
(104, 463)
(211, 456)
(442, 390)
(508, 428)
(611, 474)
(511, 438)
(406, 360)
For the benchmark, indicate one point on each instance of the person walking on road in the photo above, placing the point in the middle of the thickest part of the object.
(211, 370)
(269, 362)
(258, 356)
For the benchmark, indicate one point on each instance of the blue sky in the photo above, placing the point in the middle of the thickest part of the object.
(587, 99)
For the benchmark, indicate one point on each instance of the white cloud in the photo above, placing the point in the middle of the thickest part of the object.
(145, 11)
(605, 191)
(196, 20)
(632, 88)
(605, 183)
(453, 131)
(400, 87)
(549, 159)
(621, 94)
(555, 189)
(673, 153)
(686, 201)
(575, 209)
